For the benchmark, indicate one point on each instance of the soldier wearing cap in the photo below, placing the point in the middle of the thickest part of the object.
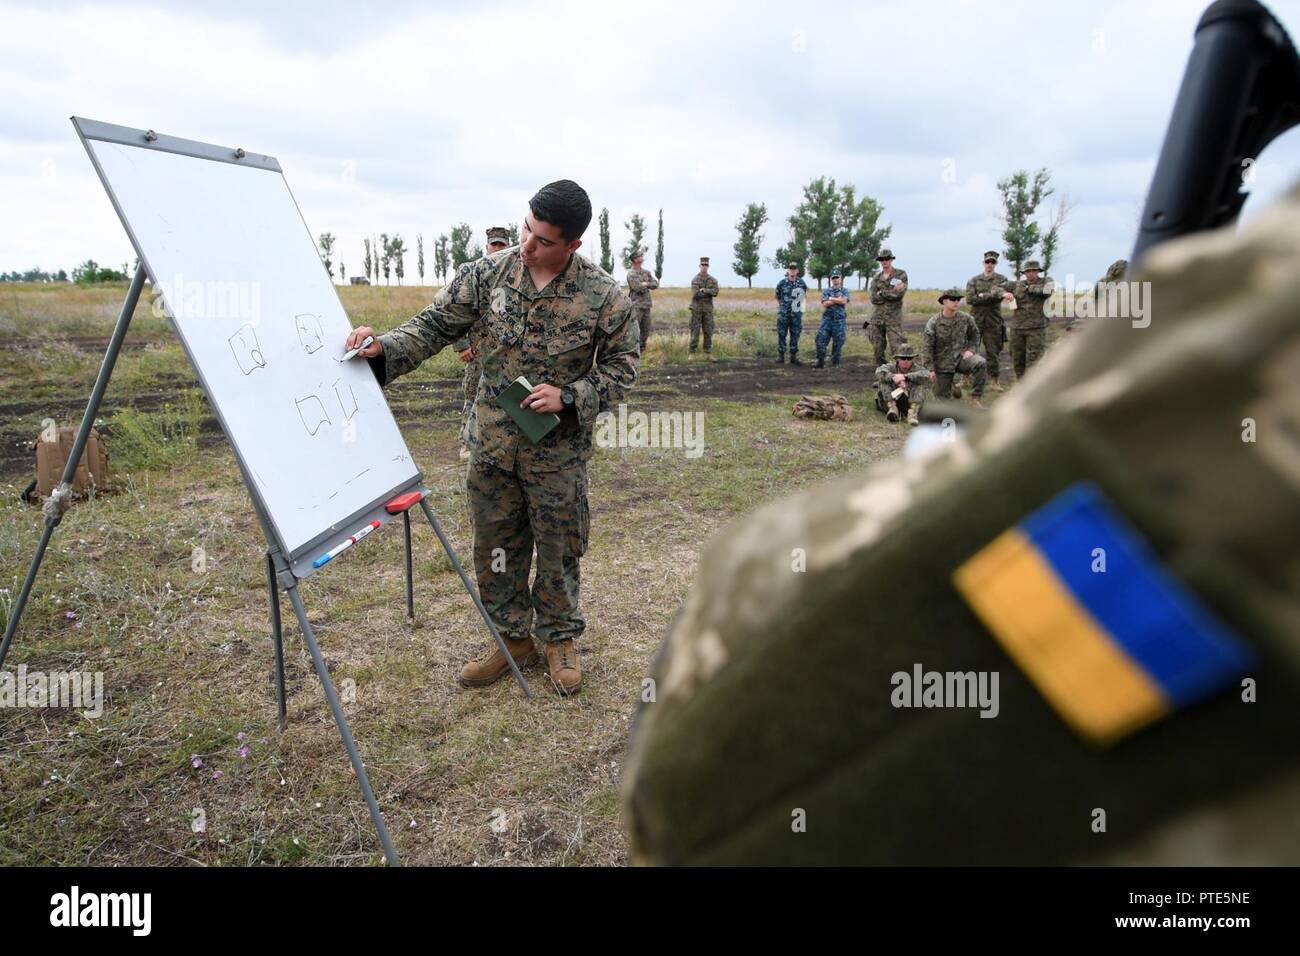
(498, 238)
(886, 323)
(985, 294)
(835, 301)
(640, 282)
(704, 289)
(1029, 324)
(790, 293)
(948, 348)
(902, 386)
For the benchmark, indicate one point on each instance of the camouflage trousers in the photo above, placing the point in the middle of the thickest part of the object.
(642, 315)
(702, 320)
(885, 337)
(1027, 347)
(788, 324)
(975, 367)
(469, 385)
(915, 393)
(991, 337)
(832, 332)
(514, 512)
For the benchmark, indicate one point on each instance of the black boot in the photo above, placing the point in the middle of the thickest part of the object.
(780, 358)
(821, 360)
(794, 358)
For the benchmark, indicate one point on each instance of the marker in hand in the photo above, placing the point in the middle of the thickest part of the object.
(335, 552)
(364, 344)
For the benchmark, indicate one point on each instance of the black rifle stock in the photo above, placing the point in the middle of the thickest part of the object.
(1241, 90)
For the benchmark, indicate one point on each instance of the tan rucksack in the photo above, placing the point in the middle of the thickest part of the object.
(52, 457)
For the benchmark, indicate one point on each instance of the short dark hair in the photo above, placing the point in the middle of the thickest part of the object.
(565, 204)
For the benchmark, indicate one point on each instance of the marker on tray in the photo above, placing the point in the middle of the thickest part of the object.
(364, 344)
(335, 552)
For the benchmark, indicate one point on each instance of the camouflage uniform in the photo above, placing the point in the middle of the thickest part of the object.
(473, 368)
(916, 388)
(833, 328)
(943, 341)
(886, 323)
(984, 296)
(773, 691)
(639, 284)
(703, 290)
(789, 313)
(1029, 322)
(575, 332)
(1115, 273)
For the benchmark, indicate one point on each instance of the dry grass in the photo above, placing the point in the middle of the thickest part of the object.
(464, 777)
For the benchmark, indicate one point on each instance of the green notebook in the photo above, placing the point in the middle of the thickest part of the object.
(534, 424)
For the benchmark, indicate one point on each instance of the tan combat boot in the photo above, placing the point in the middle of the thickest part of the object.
(891, 411)
(975, 402)
(492, 665)
(913, 416)
(563, 665)
(995, 385)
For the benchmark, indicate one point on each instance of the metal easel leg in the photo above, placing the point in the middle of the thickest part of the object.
(277, 639)
(473, 593)
(410, 574)
(54, 515)
(342, 723)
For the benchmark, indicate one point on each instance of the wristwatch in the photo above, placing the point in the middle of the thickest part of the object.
(566, 397)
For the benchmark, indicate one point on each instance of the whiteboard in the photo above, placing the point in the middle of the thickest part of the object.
(262, 323)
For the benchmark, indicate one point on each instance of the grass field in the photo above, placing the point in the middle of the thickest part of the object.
(188, 731)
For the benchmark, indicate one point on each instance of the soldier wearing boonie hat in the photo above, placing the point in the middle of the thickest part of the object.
(902, 386)
(640, 282)
(948, 348)
(1029, 324)
(885, 327)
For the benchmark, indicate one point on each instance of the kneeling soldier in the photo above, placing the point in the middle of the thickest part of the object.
(902, 386)
(949, 343)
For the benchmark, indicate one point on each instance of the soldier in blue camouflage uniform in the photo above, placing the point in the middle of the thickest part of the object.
(790, 294)
(498, 237)
(537, 310)
(835, 301)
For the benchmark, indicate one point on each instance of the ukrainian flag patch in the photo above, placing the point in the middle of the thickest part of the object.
(1088, 611)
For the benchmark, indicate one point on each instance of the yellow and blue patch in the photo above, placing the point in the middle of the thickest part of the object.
(1093, 618)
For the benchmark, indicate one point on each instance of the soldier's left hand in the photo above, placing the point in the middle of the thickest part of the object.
(967, 354)
(543, 399)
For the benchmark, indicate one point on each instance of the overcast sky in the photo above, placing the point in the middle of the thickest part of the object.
(426, 115)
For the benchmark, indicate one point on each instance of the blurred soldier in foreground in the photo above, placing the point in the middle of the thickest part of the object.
(834, 328)
(1029, 324)
(948, 347)
(542, 311)
(498, 237)
(790, 293)
(902, 386)
(704, 289)
(784, 730)
(985, 294)
(885, 327)
(640, 282)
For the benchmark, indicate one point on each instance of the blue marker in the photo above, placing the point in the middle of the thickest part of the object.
(335, 552)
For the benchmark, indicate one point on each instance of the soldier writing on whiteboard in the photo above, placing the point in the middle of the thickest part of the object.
(538, 310)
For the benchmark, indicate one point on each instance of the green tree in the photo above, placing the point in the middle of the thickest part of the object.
(441, 258)
(1022, 193)
(864, 235)
(659, 249)
(419, 253)
(397, 253)
(367, 262)
(832, 228)
(606, 258)
(748, 241)
(343, 272)
(385, 256)
(327, 252)
(514, 234)
(460, 240)
(636, 229)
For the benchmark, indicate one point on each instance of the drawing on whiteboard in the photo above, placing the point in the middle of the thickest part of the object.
(355, 477)
(247, 350)
(312, 412)
(347, 400)
(309, 331)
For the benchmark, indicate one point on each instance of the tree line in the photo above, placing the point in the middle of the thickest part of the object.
(833, 228)
(84, 274)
